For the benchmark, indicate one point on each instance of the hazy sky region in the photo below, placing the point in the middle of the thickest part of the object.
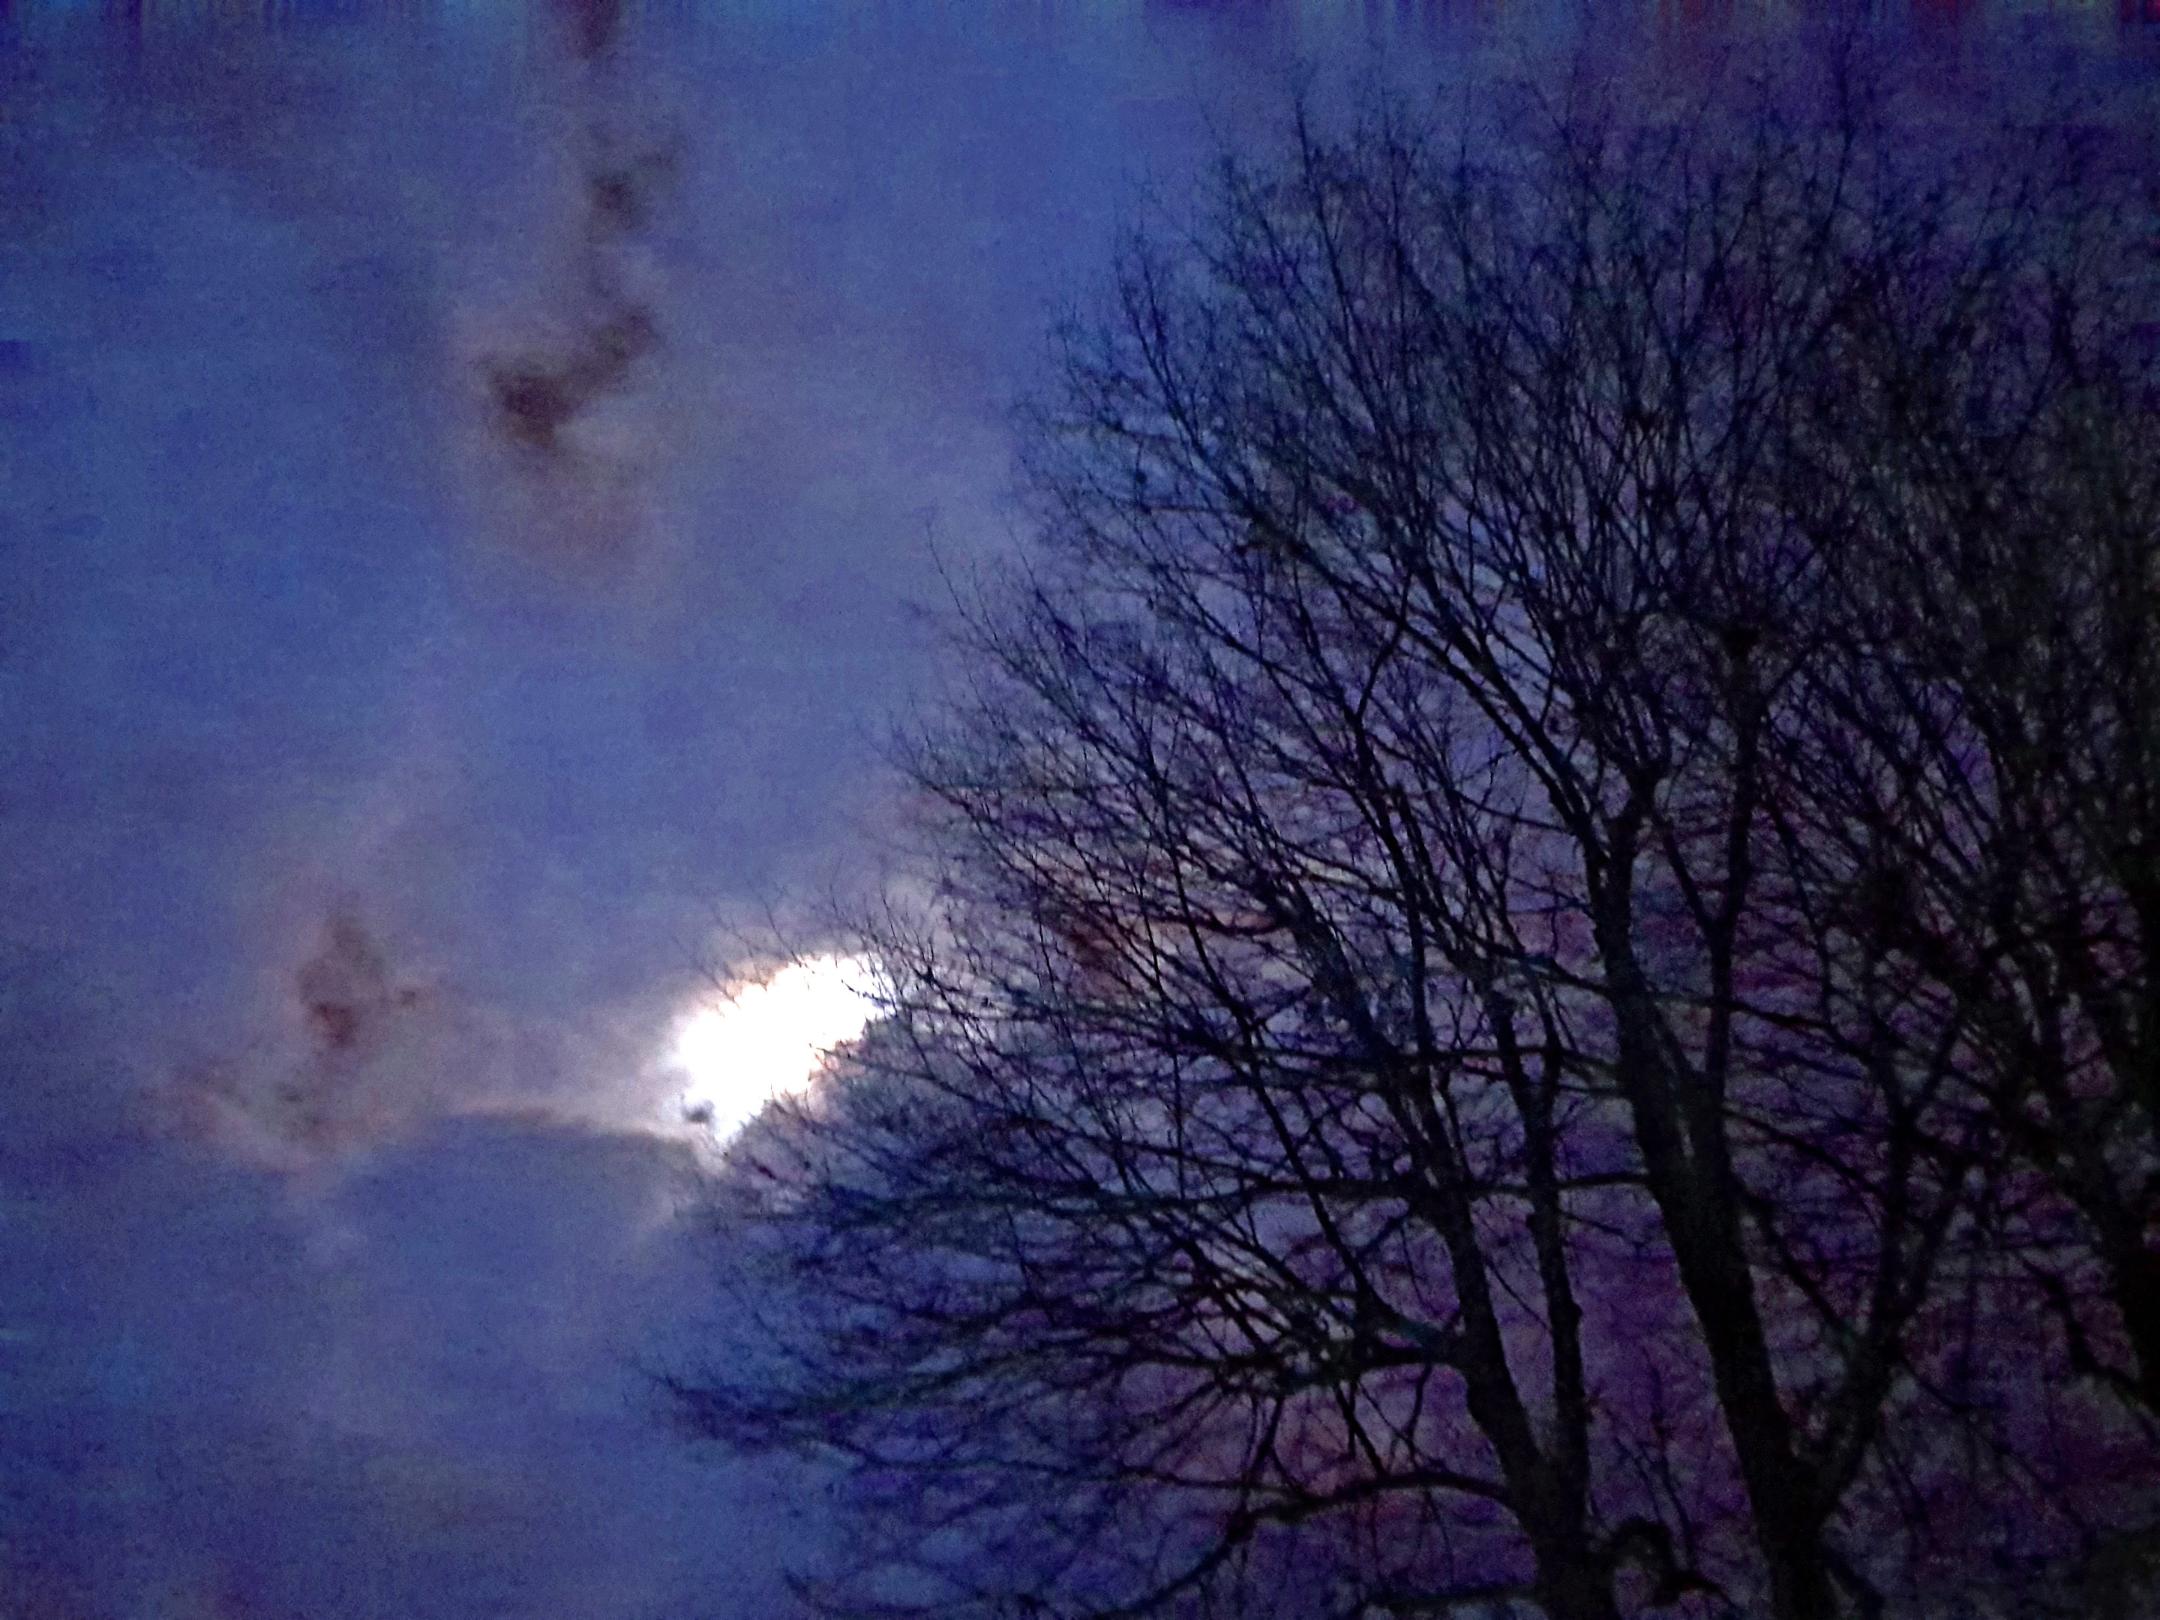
(464, 476)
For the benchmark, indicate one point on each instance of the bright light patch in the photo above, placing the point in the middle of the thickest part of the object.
(766, 1040)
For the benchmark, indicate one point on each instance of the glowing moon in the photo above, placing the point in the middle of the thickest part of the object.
(768, 1039)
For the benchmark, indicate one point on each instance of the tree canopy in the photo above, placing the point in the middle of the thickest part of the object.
(1531, 979)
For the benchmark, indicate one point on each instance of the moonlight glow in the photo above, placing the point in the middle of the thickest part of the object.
(765, 1040)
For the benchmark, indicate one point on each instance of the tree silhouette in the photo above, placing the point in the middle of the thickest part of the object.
(1534, 905)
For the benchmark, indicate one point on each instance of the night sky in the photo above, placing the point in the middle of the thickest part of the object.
(469, 474)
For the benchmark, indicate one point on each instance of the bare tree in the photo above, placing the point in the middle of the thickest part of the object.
(1408, 1093)
(1989, 490)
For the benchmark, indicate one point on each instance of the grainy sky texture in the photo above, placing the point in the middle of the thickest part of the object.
(463, 474)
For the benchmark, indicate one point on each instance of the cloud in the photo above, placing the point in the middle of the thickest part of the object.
(354, 1054)
(359, 1037)
(440, 1417)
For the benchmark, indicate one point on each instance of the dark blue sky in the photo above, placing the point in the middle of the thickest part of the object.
(374, 774)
